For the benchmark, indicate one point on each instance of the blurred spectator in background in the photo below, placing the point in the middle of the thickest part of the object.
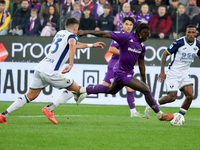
(144, 14)
(184, 2)
(98, 8)
(35, 4)
(44, 6)
(33, 26)
(7, 3)
(51, 22)
(118, 19)
(19, 19)
(87, 21)
(67, 7)
(192, 9)
(136, 7)
(117, 8)
(183, 22)
(14, 6)
(196, 21)
(86, 3)
(4, 19)
(105, 21)
(75, 13)
(173, 9)
(150, 2)
(154, 7)
(160, 24)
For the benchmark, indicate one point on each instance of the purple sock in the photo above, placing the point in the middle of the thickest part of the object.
(99, 88)
(151, 102)
(131, 100)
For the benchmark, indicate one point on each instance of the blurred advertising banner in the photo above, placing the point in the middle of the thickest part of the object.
(20, 55)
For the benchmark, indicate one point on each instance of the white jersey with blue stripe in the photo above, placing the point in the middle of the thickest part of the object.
(183, 56)
(58, 53)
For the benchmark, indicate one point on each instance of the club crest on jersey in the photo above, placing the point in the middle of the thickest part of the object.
(131, 40)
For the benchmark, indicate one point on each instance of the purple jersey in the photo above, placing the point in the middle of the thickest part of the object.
(114, 57)
(130, 50)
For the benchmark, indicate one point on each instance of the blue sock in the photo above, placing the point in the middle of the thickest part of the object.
(182, 111)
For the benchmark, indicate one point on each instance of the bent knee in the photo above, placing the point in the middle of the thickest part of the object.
(172, 98)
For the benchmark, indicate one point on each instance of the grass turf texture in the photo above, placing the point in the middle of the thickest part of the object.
(96, 127)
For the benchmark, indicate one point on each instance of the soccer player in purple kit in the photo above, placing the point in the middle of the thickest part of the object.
(131, 49)
(127, 25)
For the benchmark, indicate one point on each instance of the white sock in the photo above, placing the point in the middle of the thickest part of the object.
(158, 102)
(83, 90)
(133, 111)
(63, 98)
(18, 104)
(159, 114)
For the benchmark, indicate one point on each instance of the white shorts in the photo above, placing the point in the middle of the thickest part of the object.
(57, 80)
(174, 84)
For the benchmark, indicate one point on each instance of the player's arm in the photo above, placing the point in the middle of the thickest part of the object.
(114, 50)
(96, 33)
(72, 50)
(142, 69)
(161, 76)
(80, 45)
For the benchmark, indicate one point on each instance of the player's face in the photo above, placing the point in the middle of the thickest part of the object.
(191, 33)
(2, 6)
(127, 26)
(144, 35)
(76, 28)
(33, 14)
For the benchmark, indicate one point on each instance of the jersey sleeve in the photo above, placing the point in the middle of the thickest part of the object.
(114, 44)
(74, 37)
(198, 45)
(173, 48)
(142, 54)
(119, 37)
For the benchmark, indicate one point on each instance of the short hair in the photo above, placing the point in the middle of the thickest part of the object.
(191, 26)
(2, 2)
(86, 8)
(71, 21)
(34, 10)
(106, 6)
(77, 3)
(128, 18)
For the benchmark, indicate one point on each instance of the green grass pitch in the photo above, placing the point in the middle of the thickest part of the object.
(96, 127)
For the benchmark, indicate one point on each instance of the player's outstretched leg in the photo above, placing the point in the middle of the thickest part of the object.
(62, 99)
(153, 104)
(2, 119)
(49, 114)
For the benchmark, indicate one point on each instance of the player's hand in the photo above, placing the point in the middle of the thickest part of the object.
(67, 69)
(80, 33)
(99, 44)
(161, 77)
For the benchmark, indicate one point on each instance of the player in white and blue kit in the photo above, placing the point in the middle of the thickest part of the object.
(48, 71)
(178, 75)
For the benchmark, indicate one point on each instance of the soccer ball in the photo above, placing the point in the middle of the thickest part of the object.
(178, 120)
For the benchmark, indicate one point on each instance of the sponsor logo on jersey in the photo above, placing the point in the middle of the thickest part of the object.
(134, 50)
(170, 47)
(171, 86)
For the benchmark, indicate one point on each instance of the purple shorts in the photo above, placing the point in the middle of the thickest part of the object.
(109, 75)
(123, 77)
